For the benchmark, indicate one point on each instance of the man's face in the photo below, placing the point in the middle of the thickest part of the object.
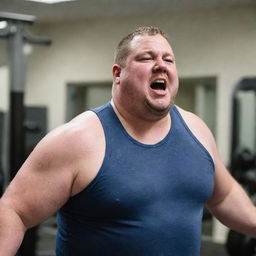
(149, 80)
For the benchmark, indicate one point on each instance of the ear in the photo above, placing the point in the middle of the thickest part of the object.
(116, 71)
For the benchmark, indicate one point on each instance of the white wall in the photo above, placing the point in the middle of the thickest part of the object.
(219, 42)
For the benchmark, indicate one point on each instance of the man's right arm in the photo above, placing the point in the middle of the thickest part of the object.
(12, 231)
(40, 188)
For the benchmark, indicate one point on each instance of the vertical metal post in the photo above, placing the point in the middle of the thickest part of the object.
(17, 85)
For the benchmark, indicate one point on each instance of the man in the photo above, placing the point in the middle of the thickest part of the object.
(131, 177)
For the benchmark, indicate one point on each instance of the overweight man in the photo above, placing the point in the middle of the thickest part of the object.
(129, 178)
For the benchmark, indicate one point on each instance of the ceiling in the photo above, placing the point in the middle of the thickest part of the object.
(97, 9)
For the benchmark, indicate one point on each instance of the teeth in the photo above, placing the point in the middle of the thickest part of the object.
(160, 81)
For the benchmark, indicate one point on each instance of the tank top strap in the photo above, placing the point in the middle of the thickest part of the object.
(109, 119)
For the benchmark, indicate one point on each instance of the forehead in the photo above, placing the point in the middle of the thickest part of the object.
(145, 43)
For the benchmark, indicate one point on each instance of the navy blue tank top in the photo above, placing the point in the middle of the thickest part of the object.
(146, 200)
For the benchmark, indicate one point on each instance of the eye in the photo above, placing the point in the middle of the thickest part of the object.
(145, 58)
(170, 60)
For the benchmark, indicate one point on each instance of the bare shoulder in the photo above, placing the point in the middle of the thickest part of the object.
(73, 138)
(83, 127)
(61, 165)
(200, 130)
(77, 146)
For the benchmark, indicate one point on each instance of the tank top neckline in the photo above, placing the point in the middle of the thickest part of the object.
(159, 143)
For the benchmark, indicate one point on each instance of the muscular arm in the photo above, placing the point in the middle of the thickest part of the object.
(12, 231)
(34, 194)
(44, 182)
(230, 203)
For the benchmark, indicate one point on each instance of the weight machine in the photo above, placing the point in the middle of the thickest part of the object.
(243, 157)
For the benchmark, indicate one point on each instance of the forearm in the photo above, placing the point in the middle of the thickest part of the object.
(11, 231)
(236, 211)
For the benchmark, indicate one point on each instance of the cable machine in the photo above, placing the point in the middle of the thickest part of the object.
(243, 157)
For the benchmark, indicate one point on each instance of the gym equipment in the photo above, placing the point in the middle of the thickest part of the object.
(243, 157)
(35, 126)
(17, 36)
(35, 129)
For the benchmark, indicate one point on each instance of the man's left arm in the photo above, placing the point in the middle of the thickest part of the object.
(229, 202)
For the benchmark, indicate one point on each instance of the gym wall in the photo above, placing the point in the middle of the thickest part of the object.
(218, 43)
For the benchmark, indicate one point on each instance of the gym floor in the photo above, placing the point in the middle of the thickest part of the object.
(47, 231)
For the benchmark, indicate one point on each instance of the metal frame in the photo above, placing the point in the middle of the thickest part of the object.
(17, 36)
(246, 84)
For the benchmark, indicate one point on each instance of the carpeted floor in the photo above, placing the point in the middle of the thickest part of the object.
(213, 249)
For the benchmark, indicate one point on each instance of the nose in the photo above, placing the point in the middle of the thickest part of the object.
(160, 66)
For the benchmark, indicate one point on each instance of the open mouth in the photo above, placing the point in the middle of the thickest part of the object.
(158, 85)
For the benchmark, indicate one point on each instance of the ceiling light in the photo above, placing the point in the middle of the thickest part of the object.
(50, 1)
(3, 24)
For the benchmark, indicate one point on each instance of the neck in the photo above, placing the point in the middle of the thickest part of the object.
(147, 131)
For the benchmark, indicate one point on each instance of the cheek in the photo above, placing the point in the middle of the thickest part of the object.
(134, 80)
(173, 76)
(134, 77)
(174, 73)
(141, 69)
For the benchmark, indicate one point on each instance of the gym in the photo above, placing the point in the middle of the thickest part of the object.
(62, 66)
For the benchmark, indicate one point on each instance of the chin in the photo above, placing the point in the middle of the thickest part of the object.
(159, 109)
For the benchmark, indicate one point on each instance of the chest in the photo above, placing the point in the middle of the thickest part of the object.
(134, 181)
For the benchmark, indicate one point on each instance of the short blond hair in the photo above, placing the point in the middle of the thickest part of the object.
(123, 48)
